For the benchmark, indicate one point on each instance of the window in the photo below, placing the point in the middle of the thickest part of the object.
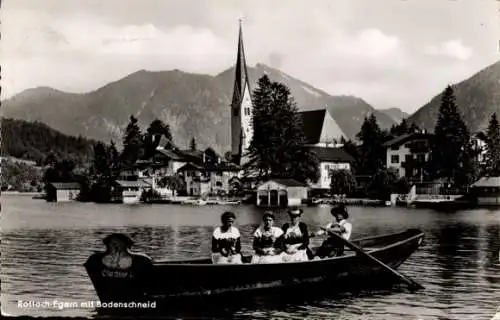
(408, 157)
(395, 147)
(395, 159)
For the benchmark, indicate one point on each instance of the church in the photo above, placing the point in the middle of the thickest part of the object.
(320, 128)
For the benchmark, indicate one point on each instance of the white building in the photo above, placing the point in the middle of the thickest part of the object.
(409, 155)
(330, 159)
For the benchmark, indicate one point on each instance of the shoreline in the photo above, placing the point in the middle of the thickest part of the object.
(19, 193)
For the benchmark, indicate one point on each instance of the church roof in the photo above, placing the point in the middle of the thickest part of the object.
(241, 79)
(312, 124)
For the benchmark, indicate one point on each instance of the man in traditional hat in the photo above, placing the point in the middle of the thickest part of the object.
(332, 246)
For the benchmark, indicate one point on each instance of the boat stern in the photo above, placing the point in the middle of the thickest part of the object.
(117, 274)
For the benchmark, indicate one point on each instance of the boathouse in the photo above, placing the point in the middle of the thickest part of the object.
(487, 191)
(281, 193)
(63, 191)
(129, 191)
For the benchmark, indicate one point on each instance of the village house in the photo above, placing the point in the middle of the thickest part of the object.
(62, 191)
(209, 174)
(330, 159)
(409, 155)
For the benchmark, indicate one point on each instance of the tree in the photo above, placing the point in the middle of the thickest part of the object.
(354, 151)
(372, 153)
(493, 147)
(451, 148)
(402, 186)
(342, 182)
(102, 173)
(173, 183)
(192, 144)
(156, 130)
(133, 142)
(277, 148)
(383, 183)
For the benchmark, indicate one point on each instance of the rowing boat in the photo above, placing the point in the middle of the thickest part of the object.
(138, 278)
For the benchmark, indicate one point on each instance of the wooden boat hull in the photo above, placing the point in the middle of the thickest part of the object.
(198, 277)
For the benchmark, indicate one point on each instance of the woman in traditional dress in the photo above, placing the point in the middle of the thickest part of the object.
(295, 238)
(333, 246)
(266, 241)
(226, 244)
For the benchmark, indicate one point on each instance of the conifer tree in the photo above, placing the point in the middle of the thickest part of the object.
(451, 151)
(372, 153)
(277, 148)
(192, 144)
(133, 142)
(493, 147)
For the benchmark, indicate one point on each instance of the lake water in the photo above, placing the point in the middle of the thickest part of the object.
(43, 247)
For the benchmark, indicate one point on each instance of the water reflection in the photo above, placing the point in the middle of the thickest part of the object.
(43, 259)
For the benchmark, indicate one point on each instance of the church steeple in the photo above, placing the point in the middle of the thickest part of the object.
(241, 72)
(241, 107)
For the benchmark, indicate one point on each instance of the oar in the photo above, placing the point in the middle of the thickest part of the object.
(411, 283)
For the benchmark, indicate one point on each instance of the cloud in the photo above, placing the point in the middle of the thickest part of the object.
(82, 53)
(453, 48)
(374, 43)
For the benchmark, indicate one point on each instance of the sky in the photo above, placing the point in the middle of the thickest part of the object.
(391, 53)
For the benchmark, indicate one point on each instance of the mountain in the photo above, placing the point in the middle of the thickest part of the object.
(194, 105)
(395, 114)
(477, 98)
(35, 141)
(348, 111)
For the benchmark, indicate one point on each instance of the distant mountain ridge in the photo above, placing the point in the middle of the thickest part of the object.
(194, 105)
(396, 114)
(477, 97)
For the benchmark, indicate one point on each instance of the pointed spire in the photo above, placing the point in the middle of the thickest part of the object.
(241, 73)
